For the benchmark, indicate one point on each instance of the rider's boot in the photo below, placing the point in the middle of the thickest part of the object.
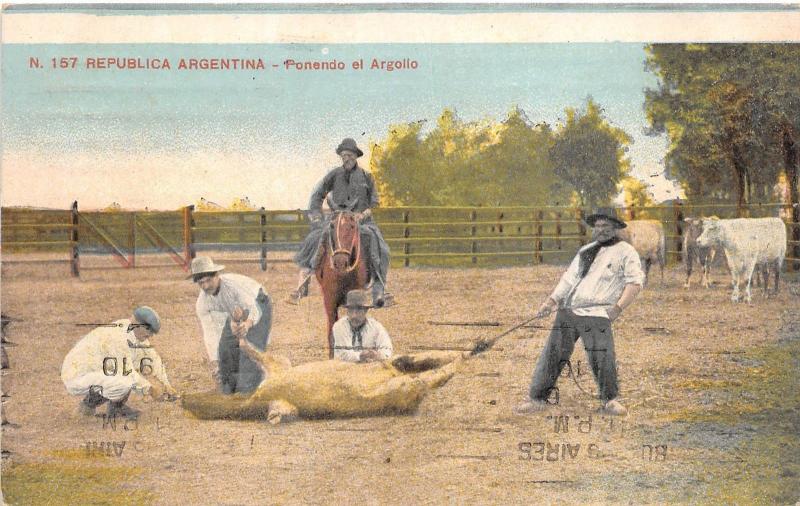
(302, 287)
(378, 293)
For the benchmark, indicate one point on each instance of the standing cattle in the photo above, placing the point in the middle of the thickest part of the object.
(647, 238)
(692, 250)
(747, 242)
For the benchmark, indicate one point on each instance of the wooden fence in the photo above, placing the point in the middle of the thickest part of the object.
(438, 236)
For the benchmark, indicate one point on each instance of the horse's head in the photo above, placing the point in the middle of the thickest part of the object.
(345, 241)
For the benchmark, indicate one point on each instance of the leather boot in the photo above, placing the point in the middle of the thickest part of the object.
(118, 408)
(93, 399)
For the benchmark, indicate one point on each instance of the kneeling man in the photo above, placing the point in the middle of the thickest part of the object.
(113, 360)
(357, 337)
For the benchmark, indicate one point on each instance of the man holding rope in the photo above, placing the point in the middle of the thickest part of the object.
(602, 280)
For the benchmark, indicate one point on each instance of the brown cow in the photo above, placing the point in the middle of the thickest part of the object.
(647, 238)
(693, 251)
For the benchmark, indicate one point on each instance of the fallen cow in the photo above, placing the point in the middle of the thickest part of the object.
(330, 388)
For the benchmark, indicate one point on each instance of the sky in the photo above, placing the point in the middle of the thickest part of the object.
(165, 138)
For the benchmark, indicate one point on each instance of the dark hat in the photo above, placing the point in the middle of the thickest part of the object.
(148, 316)
(357, 298)
(608, 213)
(349, 145)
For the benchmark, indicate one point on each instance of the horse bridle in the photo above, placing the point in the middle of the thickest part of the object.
(356, 243)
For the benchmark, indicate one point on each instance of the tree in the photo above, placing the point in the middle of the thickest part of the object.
(588, 154)
(717, 103)
(477, 163)
(636, 195)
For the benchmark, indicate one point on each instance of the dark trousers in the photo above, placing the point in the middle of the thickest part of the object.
(598, 340)
(237, 371)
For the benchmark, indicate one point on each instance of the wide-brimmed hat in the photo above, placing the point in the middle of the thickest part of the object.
(204, 265)
(148, 316)
(349, 145)
(608, 213)
(357, 299)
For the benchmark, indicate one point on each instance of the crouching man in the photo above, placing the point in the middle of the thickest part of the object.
(115, 359)
(357, 337)
(231, 307)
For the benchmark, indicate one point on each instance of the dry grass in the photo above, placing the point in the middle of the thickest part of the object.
(711, 380)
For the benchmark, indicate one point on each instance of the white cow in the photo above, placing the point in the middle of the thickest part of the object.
(747, 242)
(647, 238)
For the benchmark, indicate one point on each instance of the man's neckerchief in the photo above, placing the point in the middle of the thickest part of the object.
(588, 255)
(358, 339)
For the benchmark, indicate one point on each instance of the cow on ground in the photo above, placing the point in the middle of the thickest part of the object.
(693, 251)
(647, 238)
(747, 243)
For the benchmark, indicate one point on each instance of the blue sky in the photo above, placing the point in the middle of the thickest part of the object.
(165, 138)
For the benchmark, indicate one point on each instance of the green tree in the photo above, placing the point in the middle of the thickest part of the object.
(515, 168)
(723, 107)
(467, 163)
(588, 155)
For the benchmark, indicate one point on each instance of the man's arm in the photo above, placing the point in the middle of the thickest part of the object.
(318, 195)
(374, 199)
(626, 299)
(160, 373)
(633, 276)
(212, 331)
(568, 280)
(383, 342)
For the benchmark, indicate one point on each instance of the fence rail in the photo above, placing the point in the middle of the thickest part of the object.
(452, 236)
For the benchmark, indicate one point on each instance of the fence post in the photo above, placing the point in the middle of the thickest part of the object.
(473, 216)
(558, 230)
(75, 260)
(678, 213)
(263, 239)
(132, 241)
(539, 233)
(631, 213)
(188, 235)
(581, 215)
(406, 245)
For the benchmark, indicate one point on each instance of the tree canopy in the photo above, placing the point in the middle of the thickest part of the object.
(732, 115)
(512, 162)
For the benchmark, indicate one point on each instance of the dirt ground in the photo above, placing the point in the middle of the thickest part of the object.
(712, 389)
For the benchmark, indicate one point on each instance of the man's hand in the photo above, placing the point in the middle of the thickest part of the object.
(363, 216)
(546, 308)
(155, 391)
(613, 312)
(214, 366)
(170, 395)
(369, 356)
(240, 329)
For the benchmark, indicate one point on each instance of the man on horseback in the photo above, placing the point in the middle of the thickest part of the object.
(346, 188)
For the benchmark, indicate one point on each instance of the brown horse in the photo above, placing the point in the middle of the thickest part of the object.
(342, 266)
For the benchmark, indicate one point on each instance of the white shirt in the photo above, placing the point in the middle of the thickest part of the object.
(613, 268)
(119, 351)
(235, 291)
(373, 337)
